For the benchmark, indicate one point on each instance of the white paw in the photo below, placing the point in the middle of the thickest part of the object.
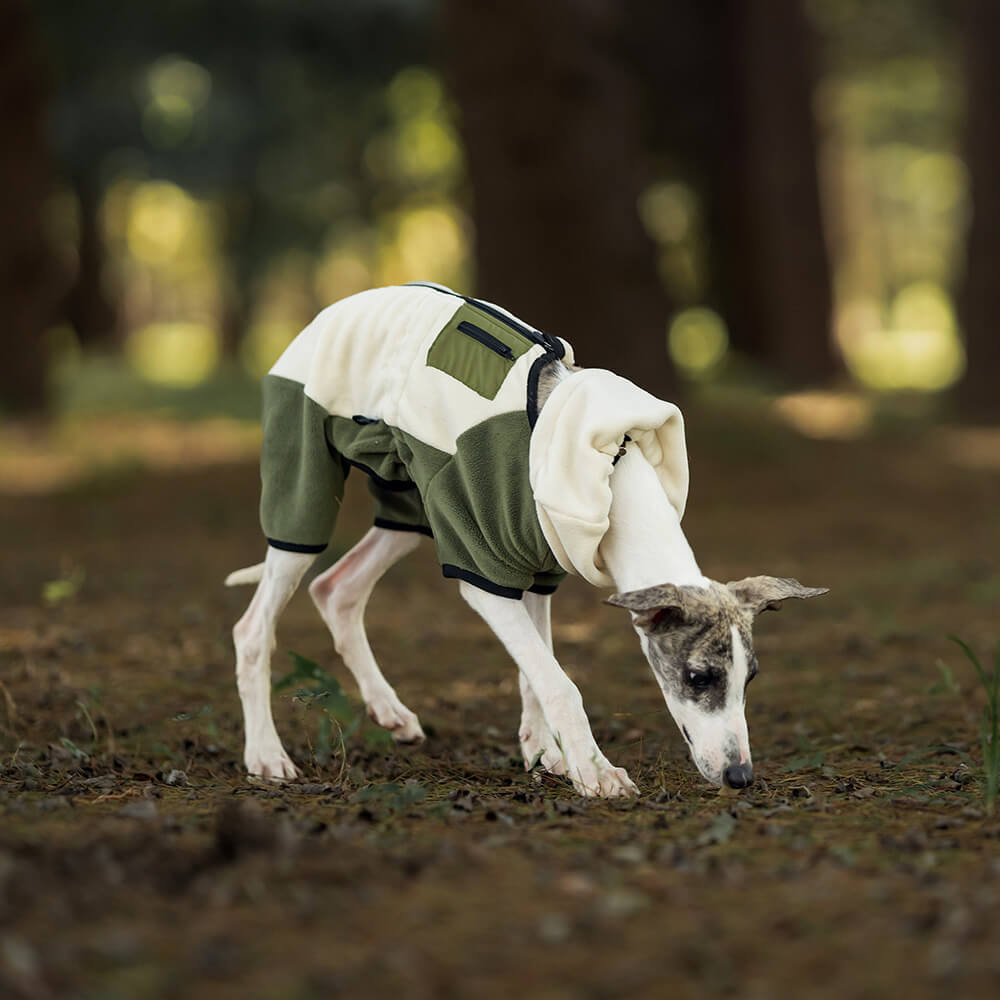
(273, 764)
(601, 779)
(398, 719)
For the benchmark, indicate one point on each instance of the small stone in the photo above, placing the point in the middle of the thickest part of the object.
(144, 809)
(629, 854)
(19, 957)
(176, 777)
(622, 903)
(554, 928)
(53, 804)
(576, 884)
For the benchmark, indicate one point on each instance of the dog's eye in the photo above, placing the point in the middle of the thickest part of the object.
(698, 679)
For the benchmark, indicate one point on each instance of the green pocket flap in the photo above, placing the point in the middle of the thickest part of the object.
(477, 350)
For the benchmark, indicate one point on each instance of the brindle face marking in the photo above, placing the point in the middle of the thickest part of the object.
(699, 644)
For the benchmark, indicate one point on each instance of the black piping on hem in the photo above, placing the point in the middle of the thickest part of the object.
(542, 588)
(420, 529)
(295, 546)
(456, 573)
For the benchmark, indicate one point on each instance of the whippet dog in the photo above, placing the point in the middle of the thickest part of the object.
(695, 633)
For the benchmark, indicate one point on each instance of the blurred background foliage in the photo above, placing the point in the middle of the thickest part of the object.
(779, 196)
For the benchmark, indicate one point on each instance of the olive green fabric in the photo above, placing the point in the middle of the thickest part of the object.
(481, 508)
(477, 503)
(302, 486)
(399, 509)
(470, 361)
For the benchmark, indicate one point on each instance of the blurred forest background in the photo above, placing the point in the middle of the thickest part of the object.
(766, 196)
(784, 213)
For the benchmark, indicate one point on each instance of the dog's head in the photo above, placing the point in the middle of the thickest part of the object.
(699, 642)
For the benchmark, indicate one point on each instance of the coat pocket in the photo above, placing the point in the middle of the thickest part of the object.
(477, 350)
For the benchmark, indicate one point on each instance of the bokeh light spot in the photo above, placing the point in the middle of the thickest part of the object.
(697, 340)
(919, 348)
(177, 353)
(668, 211)
(263, 344)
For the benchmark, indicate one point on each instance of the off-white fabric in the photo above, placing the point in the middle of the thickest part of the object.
(367, 355)
(573, 445)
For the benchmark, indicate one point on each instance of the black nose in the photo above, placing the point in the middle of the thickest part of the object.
(738, 775)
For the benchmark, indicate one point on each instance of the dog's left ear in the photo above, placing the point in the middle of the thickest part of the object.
(658, 607)
(765, 593)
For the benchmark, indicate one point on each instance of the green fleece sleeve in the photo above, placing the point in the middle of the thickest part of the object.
(302, 478)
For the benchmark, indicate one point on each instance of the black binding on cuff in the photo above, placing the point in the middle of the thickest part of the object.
(456, 573)
(295, 546)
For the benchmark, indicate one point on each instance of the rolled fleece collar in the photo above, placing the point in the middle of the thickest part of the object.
(573, 450)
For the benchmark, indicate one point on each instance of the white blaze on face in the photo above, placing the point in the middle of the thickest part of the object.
(736, 698)
(719, 738)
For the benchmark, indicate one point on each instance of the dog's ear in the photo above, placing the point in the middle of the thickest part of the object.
(765, 593)
(655, 607)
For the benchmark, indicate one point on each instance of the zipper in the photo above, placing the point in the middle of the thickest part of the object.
(486, 339)
(525, 331)
(550, 343)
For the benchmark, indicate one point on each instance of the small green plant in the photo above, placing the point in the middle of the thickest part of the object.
(319, 689)
(65, 588)
(990, 731)
(203, 723)
(390, 796)
(947, 684)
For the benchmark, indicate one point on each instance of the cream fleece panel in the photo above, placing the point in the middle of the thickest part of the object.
(354, 357)
(573, 445)
(367, 355)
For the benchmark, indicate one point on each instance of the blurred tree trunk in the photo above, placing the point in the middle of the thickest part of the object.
(979, 296)
(549, 117)
(28, 273)
(771, 262)
(87, 306)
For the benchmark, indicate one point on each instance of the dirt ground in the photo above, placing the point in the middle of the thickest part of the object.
(136, 859)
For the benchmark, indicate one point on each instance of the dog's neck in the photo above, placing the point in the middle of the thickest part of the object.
(644, 545)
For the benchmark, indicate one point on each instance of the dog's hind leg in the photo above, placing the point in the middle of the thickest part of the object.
(537, 742)
(254, 636)
(340, 595)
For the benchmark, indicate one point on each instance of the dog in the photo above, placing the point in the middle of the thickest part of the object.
(481, 432)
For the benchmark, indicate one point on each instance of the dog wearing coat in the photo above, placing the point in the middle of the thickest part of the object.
(477, 430)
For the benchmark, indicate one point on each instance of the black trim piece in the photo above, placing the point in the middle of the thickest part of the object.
(534, 374)
(621, 450)
(554, 347)
(480, 336)
(552, 344)
(542, 588)
(358, 419)
(393, 485)
(456, 573)
(530, 333)
(295, 547)
(420, 529)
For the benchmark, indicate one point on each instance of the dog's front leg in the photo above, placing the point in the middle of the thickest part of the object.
(588, 768)
(537, 742)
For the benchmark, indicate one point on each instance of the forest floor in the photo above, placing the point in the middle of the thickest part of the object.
(138, 861)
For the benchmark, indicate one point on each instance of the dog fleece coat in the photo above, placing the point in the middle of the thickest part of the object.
(434, 397)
